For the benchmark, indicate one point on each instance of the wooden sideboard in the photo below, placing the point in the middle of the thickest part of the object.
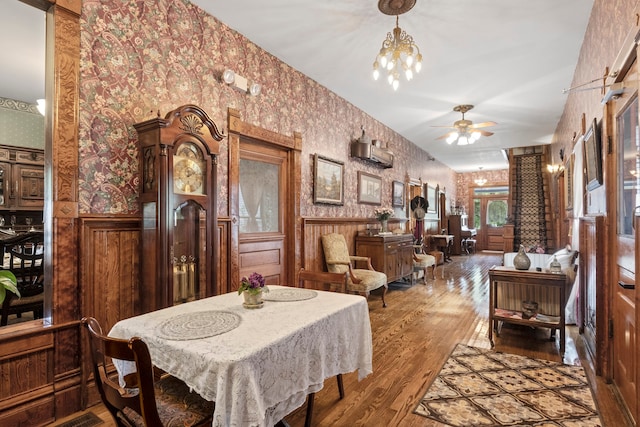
(21, 178)
(390, 254)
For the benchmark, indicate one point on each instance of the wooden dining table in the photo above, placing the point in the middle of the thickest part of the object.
(258, 365)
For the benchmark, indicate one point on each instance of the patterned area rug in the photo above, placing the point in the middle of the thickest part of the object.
(478, 387)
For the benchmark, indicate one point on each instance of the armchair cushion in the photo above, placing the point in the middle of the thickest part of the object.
(424, 260)
(338, 260)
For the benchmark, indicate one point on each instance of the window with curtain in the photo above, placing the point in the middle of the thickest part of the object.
(259, 196)
(629, 166)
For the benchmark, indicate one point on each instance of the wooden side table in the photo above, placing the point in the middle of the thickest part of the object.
(533, 279)
(444, 242)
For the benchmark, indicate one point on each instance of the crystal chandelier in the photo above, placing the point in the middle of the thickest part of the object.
(480, 181)
(399, 54)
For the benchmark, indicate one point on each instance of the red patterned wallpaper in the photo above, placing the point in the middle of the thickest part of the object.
(141, 57)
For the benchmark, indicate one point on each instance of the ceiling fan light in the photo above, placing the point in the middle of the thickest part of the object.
(476, 135)
(452, 138)
(463, 140)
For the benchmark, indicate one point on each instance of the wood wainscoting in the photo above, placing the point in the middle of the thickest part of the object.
(314, 228)
(109, 276)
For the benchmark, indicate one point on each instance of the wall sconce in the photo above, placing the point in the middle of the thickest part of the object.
(41, 106)
(241, 83)
(554, 169)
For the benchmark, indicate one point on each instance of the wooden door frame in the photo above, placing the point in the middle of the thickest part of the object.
(471, 210)
(291, 216)
(612, 255)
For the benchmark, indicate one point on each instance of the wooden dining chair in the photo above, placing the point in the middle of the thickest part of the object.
(142, 402)
(23, 255)
(323, 281)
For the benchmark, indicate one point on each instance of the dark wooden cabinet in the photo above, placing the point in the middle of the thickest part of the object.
(178, 159)
(455, 224)
(21, 178)
(392, 254)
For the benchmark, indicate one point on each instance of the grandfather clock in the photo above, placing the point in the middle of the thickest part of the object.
(178, 159)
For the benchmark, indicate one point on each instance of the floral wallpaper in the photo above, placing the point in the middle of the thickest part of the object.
(143, 58)
(467, 180)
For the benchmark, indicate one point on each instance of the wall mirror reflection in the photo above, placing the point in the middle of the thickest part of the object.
(22, 150)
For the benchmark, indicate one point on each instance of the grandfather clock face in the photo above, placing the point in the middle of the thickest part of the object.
(189, 170)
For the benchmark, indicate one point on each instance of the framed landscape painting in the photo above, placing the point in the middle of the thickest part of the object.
(369, 189)
(328, 181)
(397, 194)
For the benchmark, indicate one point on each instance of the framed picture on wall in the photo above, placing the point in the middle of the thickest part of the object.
(397, 194)
(593, 156)
(369, 189)
(328, 181)
(431, 193)
(568, 183)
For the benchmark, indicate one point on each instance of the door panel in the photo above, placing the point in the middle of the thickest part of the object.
(624, 342)
(266, 257)
(626, 196)
(262, 188)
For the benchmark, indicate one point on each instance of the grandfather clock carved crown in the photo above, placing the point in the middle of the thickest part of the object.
(178, 166)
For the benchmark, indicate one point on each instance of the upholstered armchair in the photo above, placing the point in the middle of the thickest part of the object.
(422, 261)
(360, 280)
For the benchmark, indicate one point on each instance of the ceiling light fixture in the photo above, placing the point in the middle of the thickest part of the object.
(399, 53)
(463, 138)
(480, 181)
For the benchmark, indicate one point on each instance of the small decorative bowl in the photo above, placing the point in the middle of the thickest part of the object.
(529, 309)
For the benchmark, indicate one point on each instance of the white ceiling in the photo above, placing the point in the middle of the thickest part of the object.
(510, 58)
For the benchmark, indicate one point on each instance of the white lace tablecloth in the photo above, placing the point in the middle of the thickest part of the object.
(263, 369)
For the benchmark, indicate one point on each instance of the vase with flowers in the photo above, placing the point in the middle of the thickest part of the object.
(251, 289)
(383, 215)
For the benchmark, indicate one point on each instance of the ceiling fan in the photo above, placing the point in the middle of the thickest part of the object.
(465, 131)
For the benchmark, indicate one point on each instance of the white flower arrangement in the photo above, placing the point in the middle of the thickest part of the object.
(383, 213)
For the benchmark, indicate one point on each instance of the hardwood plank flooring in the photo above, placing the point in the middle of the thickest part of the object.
(413, 337)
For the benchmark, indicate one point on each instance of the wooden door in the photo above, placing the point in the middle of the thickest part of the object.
(489, 215)
(262, 191)
(622, 285)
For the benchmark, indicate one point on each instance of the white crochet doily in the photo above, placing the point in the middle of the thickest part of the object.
(291, 294)
(200, 324)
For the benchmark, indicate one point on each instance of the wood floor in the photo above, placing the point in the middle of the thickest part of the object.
(413, 337)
